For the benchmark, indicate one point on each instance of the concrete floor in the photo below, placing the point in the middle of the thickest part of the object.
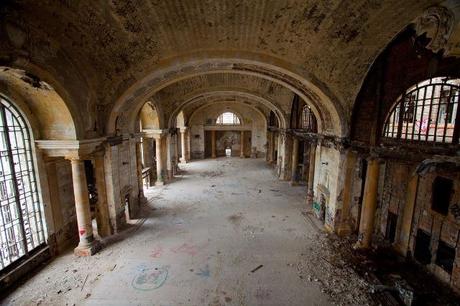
(208, 230)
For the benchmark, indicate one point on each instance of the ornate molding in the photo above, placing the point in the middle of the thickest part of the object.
(437, 22)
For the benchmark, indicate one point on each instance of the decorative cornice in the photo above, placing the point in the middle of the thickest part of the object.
(70, 148)
(437, 22)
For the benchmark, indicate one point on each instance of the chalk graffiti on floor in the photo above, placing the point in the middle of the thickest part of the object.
(204, 273)
(186, 248)
(150, 278)
(157, 252)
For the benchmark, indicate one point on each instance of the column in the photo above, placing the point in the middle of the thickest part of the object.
(272, 153)
(87, 245)
(242, 145)
(183, 145)
(402, 244)
(295, 160)
(311, 175)
(176, 149)
(345, 227)
(213, 144)
(102, 211)
(159, 159)
(366, 225)
(169, 158)
(269, 146)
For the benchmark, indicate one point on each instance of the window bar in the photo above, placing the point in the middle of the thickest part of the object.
(13, 180)
(34, 208)
(394, 128)
(437, 113)
(422, 113)
(456, 133)
(4, 230)
(401, 116)
(429, 114)
(447, 114)
(415, 113)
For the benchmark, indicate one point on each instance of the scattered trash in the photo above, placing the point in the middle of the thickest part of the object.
(257, 268)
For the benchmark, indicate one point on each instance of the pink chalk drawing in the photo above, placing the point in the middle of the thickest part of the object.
(186, 248)
(157, 252)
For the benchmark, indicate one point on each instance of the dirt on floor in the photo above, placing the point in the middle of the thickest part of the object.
(374, 277)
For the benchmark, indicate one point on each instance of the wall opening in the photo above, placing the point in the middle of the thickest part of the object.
(392, 220)
(22, 228)
(422, 252)
(445, 256)
(426, 112)
(441, 193)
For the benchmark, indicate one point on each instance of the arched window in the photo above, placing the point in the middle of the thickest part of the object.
(427, 112)
(308, 120)
(228, 118)
(21, 213)
(273, 120)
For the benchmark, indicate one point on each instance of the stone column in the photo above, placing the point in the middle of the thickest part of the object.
(169, 158)
(213, 144)
(366, 225)
(177, 159)
(269, 146)
(242, 144)
(102, 212)
(402, 244)
(183, 145)
(159, 159)
(345, 227)
(88, 245)
(311, 175)
(272, 153)
(295, 160)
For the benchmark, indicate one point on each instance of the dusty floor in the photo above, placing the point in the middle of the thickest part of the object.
(225, 232)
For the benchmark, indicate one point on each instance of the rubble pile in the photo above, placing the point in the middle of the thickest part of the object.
(325, 262)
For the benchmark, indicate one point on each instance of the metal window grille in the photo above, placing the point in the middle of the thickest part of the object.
(21, 213)
(427, 112)
(308, 120)
(228, 118)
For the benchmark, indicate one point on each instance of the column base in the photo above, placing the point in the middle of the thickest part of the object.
(344, 230)
(89, 250)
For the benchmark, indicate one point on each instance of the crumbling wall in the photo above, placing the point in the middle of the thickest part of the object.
(445, 228)
(121, 180)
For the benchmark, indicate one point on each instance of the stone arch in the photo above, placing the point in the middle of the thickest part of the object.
(44, 109)
(216, 95)
(328, 109)
(149, 117)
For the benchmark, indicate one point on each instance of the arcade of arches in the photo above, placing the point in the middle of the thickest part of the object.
(103, 104)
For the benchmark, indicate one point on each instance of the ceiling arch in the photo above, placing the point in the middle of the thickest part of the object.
(230, 96)
(108, 51)
(244, 77)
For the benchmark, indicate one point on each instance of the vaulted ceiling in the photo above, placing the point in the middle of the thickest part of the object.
(106, 57)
